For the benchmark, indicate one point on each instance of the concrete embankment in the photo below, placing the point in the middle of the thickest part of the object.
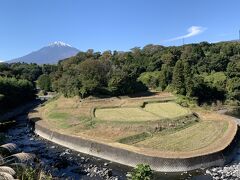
(131, 156)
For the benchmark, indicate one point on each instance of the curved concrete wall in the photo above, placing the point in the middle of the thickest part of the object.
(130, 158)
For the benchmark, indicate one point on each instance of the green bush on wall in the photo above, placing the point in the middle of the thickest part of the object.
(141, 172)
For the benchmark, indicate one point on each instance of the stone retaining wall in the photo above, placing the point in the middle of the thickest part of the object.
(131, 158)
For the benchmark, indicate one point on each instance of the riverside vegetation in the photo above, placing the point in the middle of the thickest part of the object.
(14, 164)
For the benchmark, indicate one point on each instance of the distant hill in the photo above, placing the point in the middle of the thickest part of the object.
(229, 41)
(236, 40)
(50, 54)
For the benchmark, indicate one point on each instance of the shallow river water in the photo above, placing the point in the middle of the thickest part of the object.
(64, 163)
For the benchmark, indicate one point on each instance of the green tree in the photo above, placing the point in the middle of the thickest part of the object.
(124, 81)
(217, 80)
(178, 78)
(93, 75)
(44, 82)
(233, 88)
(192, 54)
(204, 92)
(218, 62)
(150, 79)
(68, 85)
(165, 76)
(188, 78)
(48, 68)
(233, 69)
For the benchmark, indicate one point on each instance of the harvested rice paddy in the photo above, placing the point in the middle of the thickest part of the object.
(151, 112)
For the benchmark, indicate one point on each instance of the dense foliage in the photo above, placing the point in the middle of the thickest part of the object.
(96, 74)
(208, 72)
(17, 82)
(20, 71)
(15, 92)
(30, 72)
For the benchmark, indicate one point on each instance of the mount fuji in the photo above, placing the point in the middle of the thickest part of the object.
(50, 54)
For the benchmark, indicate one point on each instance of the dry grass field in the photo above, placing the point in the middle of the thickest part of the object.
(195, 137)
(125, 114)
(167, 109)
(133, 121)
(151, 112)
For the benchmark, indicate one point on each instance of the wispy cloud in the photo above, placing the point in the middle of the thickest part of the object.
(192, 31)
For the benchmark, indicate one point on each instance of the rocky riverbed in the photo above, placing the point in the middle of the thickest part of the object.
(61, 162)
(231, 172)
(228, 172)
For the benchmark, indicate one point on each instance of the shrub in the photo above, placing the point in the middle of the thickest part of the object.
(36, 173)
(141, 172)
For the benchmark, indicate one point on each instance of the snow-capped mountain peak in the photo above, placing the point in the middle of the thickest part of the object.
(59, 44)
(50, 54)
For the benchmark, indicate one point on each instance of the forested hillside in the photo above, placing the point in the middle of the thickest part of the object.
(207, 72)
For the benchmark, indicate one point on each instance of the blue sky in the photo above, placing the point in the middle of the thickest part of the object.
(27, 25)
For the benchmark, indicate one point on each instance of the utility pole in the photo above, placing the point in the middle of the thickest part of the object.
(238, 40)
(239, 35)
(184, 40)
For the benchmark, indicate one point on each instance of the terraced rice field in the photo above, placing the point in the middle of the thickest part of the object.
(155, 126)
(195, 137)
(151, 112)
(166, 109)
(125, 114)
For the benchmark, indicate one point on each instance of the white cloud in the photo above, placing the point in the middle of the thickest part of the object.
(192, 31)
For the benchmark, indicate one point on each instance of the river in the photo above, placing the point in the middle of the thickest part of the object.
(64, 163)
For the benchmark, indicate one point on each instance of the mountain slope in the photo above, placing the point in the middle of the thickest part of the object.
(50, 54)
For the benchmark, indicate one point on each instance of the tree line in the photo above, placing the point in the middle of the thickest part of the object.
(204, 71)
(207, 72)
